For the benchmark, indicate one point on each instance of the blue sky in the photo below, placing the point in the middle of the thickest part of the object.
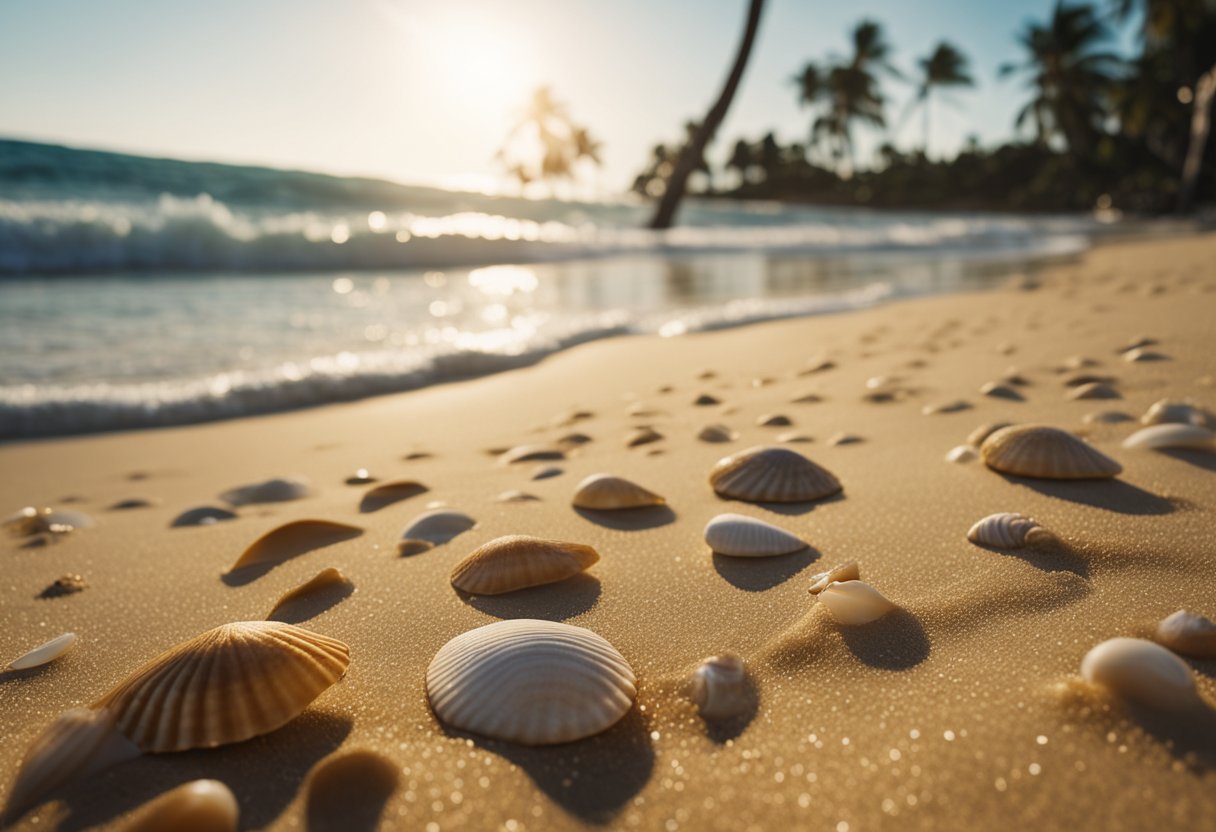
(425, 91)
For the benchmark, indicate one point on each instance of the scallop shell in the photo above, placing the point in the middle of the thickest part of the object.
(961, 453)
(719, 687)
(977, 436)
(1050, 453)
(325, 584)
(717, 433)
(278, 490)
(45, 653)
(854, 602)
(517, 561)
(844, 572)
(642, 436)
(381, 496)
(746, 537)
(769, 474)
(1093, 390)
(605, 491)
(292, 539)
(433, 528)
(1008, 530)
(530, 682)
(1172, 436)
(531, 453)
(202, 516)
(229, 684)
(774, 420)
(1184, 412)
(1189, 634)
(197, 806)
(1140, 671)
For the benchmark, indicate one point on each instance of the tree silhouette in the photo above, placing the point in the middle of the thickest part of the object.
(545, 144)
(946, 66)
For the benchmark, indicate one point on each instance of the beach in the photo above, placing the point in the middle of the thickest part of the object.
(964, 708)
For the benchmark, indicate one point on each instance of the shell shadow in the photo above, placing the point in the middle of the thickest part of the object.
(1050, 557)
(629, 520)
(721, 731)
(1189, 734)
(1200, 459)
(552, 602)
(287, 548)
(316, 602)
(759, 574)
(897, 641)
(1109, 494)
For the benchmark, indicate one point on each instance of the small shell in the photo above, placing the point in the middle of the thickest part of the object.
(1189, 634)
(807, 398)
(1093, 390)
(854, 602)
(271, 491)
(945, 407)
(962, 453)
(717, 433)
(1141, 354)
(843, 438)
(605, 491)
(530, 682)
(516, 496)
(202, 516)
(360, 477)
(1140, 671)
(433, 528)
(1078, 362)
(327, 582)
(348, 790)
(45, 653)
(817, 365)
(1105, 417)
(1138, 342)
(198, 806)
(643, 409)
(977, 436)
(381, 496)
(64, 585)
(791, 437)
(1172, 436)
(1184, 413)
(293, 539)
(547, 472)
(132, 503)
(774, 420)
(746, 537)
(769, 474)
(31, 521)
(1050, 453)
(531, 453)
(517, 561)
(1008, 530)
(705, 400)
(642, 436)
(573, 440)
(1000, 391)
(231, 683)
(719, 687)
(1081, 379)
(844, 572)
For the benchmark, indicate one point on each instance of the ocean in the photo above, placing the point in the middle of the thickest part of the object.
(139, 292)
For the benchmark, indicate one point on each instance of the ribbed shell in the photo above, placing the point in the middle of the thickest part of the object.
(1189, 634)
(45, 653)
(844, 572)
(433, 528)
(291, 539)
(605, 491)
(854, 602)
(271, 491)
(1007, 530)
(769, 474)
(197, 806)
(1046, 452)
(518, 561)
(719, 687)
(1171, 436)
(1140, 671)
(746, 537)
(530, 682)
(229, 684)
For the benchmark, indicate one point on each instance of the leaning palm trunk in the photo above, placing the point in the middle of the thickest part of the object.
(694, 151)
(1201, 126)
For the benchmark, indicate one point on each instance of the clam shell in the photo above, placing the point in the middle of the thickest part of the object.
(1046, 452)
(531, 453)
(719, 687)
(1171, 436)
(517, 561)
(961, 453)
(605, 491)
(769, 474)
(328, 582)
(530, 682)
(844, 572)
(202, 516)
(1184, 412)
(197, 806)
(717, 433)
(433, 528)
(854, 602)
(45, 653)
(292, 539)
(226, 685)
(642, 436)
(1140, 671)
(774, 420)
(277, 490)
(977, 436)
(1093, 390)
(746, 537)
(1007, 530)
(381, 496)
(1189, 634)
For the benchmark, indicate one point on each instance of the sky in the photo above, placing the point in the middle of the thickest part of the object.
(425, 92)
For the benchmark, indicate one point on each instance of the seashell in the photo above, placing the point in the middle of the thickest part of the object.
(605, 491)
(530, 682)
(746, 537)
(719, 687)
(705, 375)
(717, 433)
(65, 585)
(433, 528)
(945, 407)
(531, 453)
(571, 416)
(768, 474)
(197, 806)
(1046, 452)
(807, 398)
(644, 410)
(1141, 354)
(516, 496)
(1140, 671)
(31, 521)
(1172, 435)
(642, 436)
(271, 491)
(837, 574)
(360, 477)
(1012, 376)
(202, 516)
(705, 400)
(1184, 412)
(854, 602)
(1000, 391)
(879, 382)
(1137, 343)
(518, 561)
(1093, 390)
(1081, 379)
(45, 653)
(228, 684)
(791, 437)
(1105, 417)
(414, 456)
(843, 438)
(573, 440)
(961, 454)
(293, 539)
(1189, 634)
(349, 789)
(381, 496)
(325, 585)
(547, 472)
(131, 503)
(1008, 530)
(774, 420)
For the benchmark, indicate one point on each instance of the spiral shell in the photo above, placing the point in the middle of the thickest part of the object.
(719, 687)
(1189, 634)
(1046, 452)
(1007, 530)
(746, 537)
(853, 603)
(518, 561)
(844, 572)
(292, 539)
(1172, 435)
(278, 490)
(45, 653)
(433, 528)
(770, 474)
(530, 682)
(608, 492)
(197, 806)
(1142, 672)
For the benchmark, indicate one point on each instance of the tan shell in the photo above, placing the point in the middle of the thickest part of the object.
(1093, 390)
(530, 682)
(1142, 354)
(1140, 671)
(531, 453)
(844, 572)
(1183, 412)
(517, 561)
(608, 492)
(45, 653)
(770, 474)
(1172, 435)
(292, 539)
(961, 454)
(853, 603)
(433, 528)
(229, 684)
(1046, 452)
(1189, 634)
(197, 806)
(719, 687)
(381, 496)
(717, 433)
(327, 581)
(1008, 530)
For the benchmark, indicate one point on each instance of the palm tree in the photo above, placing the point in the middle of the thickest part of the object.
(741, 160)
(552, 144)
(945, 67)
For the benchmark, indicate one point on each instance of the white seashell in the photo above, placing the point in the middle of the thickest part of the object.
(1171, 435)
(197, 806)
(1093, 390)
(1008, 530)
(518, 561)
(770, 474)
(1140, 671)
(854, 602)
(433, 528)
(530, 682)
(962, 453)
(292, 539)
(45, 653)
(717, 433)
(271, 491)
(844, 572)
(746, 537)
(719, 687)
(1189, 634)
(531, 453)
(1050, 453)
(1184, 412)
(610, 493)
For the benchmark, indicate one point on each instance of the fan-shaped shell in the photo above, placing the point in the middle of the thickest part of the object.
(1050, 453)
(530, 682)
(229, 684)
(1140, 671)
(854, 602)
(740, 536)
(433, 528)
(1007, 530)
(1172, 435)
(45, 653)
(769, 474)
(202, 516)
(197, 806)
(961, 453)
(605, 491)
(719, 687)
(1189, 634)
(385, 495)
(844, 572)
(517, 561)
(717, 433)
(1184, 412)
(276, 490)
(292, 539)
(1093, 390)
(327, 585)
